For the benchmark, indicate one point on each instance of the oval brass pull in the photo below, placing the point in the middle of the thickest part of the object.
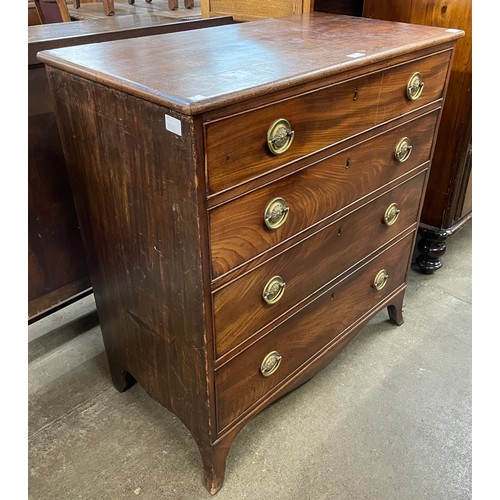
(403, 150)
(270, 363)
(380, 280)
(274, 290)
(414, 87)
(276, 213)
(279, 136)
(391, 214)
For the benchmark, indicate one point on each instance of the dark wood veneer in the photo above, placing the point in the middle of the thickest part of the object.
(236, 229)
(238, 307)
(318, 119)
(240, 385)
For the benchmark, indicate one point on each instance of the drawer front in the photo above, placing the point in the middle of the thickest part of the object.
(240, 383)
(238, 231)
(237, 147)
(240, 307)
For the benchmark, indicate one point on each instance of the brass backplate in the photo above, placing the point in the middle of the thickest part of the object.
(279, 136)
(274, 290)
(270, 363)
(276, 213)
(380, 280)
(414, 87)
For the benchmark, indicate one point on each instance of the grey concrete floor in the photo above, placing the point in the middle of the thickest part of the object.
(389, 418)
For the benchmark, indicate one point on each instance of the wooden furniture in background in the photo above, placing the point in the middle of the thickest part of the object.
(172, 4)
(249, 10)
(448, 200)
(33, 17)
(52, 11)
(108, 5)
(347, 7)
(238, 235)
(57, 271)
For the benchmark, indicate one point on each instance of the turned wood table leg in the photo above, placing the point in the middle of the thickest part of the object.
(431, 246)
(173, 4)
(76, 4)
(188, 4)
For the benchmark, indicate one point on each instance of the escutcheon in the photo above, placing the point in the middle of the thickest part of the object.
(279, 136)
(403, 150)
(391, 214)
(276, 213)
(270, 363)
(274, 290)
(380, 280)
(414, 87)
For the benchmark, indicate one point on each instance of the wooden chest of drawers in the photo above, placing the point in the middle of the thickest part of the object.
(246, 210)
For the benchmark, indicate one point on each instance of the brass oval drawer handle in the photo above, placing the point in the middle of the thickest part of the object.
(380, 280)
(414, 87)
(279, 136)
(403, 150)
(270, 363)
(276, 213)
(274, 290)
(391, 214)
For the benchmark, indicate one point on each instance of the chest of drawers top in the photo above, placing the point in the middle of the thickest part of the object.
(195, 72)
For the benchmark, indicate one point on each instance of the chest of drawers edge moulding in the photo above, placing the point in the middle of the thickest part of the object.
(144, 208)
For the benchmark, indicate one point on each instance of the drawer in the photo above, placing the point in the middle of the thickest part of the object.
(240, 309)
(240, 383)
(237, 148)
(238, 231)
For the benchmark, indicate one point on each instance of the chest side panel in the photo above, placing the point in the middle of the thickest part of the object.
(134, 182)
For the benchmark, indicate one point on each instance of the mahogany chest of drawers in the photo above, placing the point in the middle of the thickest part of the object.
(247, 208)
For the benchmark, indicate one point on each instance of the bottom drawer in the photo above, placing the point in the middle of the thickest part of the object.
(240, 383)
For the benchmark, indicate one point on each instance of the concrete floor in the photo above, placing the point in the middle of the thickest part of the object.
(388, 419)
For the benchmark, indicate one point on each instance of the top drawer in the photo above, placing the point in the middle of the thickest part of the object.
(237, 147)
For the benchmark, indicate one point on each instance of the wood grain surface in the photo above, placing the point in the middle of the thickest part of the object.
(237, 229)
(239, 309)
(318, 119)
(239, 383)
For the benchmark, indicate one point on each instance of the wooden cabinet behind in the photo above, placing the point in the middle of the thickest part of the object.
(248, 10)
(448, 201)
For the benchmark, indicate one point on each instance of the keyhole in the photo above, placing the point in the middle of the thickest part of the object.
(355, 96)
(339, 231)
(347, 163)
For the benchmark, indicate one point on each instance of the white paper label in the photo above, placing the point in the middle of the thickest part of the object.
(356, 54)
(173, 125)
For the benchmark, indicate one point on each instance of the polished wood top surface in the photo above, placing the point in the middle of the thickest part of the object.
(57, 35)
(198, 71)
